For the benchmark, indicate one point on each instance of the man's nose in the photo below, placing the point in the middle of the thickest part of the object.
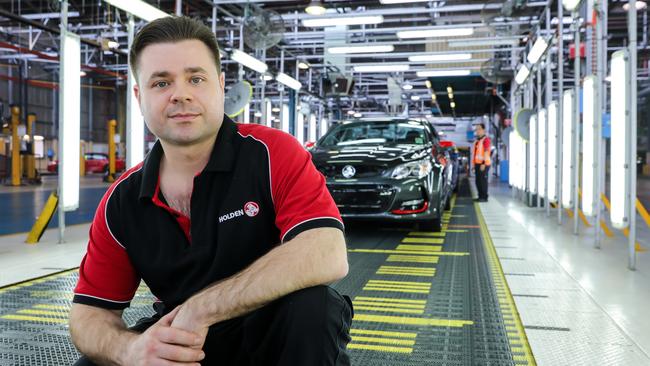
(181, 94)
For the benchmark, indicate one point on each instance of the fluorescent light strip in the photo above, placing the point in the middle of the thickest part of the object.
(541, 152)
(300, 127)
(522, 74)
(442, 73)
(361, 49)
(532, 155)
(589, 140)
(567, 149)
(381, 68)
(340, 20)
(552, 152)
(437, 32)
(441, 57)
(288, 81)
(620, 152)
(312, 127)
(537, 51)
(484, 42)
(285, 118)
(139, 8)
(323, 127)
(249, 61)
(70, 89)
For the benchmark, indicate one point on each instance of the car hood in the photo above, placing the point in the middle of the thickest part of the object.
(372, 159)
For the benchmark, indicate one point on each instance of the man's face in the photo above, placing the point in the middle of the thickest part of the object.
(180, 92)
(479, 131)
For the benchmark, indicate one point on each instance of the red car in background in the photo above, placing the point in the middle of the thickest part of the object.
(95, 163)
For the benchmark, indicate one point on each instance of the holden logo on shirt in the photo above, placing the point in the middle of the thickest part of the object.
(251, 209)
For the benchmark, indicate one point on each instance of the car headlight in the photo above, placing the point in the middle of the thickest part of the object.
(414, 169)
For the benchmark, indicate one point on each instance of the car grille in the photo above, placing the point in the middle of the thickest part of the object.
(362, 171)
(362, 199)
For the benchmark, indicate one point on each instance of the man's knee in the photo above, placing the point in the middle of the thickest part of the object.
(315, 305)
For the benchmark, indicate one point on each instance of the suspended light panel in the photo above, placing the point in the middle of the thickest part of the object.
(620, 141)
(541, 152)
(552, 165)
(532, 155)
(568, 117)
(590, 137)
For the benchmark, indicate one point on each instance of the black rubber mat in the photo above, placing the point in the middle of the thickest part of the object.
(420, 298)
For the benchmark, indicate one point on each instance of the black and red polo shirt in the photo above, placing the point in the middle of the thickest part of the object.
(258, 190)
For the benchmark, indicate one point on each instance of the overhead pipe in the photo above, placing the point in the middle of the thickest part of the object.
(45, 56)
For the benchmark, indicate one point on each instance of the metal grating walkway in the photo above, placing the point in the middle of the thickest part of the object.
(420, 298)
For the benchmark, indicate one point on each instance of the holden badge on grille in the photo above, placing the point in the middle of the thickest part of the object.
(348, 171)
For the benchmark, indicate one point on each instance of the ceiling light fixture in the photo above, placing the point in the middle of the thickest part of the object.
(288, 81)
(339, 20)
(381, 68)
(431, 33)
(315, 7)
(441, 57)
(443, 73)
(640, 5)
(365, 48)
(139, 8)
(249, 61)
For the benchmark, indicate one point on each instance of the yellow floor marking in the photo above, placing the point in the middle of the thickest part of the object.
(34, 318)
(405, 283)
(396, 290)
(388, 304)
(383, 333)
(41, 312)
(389, 251)
(407, 268)
(428, 272)
(500, 282)
(50, 306)
(423, 240)
(388, 310)
(412, 259)
(405, 273)
(397, 342)
(390, 299)
(426, 233)
(420, 248)
(371, 347)
(405, 320)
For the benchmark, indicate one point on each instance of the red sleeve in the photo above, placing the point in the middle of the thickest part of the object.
(486, 144)
(106, 277)
(300, 196)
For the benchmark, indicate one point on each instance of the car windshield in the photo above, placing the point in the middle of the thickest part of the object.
(375, 133)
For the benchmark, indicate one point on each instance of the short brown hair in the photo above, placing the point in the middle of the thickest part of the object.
(170, 30)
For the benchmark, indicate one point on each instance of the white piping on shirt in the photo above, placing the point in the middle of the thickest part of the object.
(302, 222)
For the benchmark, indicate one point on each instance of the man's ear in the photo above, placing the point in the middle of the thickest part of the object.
(222, 81)
(136, 91)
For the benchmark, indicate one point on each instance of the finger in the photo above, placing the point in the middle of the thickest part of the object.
(178, 336)
(176, 353)
(169, 318)
(161, 362)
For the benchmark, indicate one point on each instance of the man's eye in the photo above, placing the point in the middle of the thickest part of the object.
(160, 84)
(196, 80)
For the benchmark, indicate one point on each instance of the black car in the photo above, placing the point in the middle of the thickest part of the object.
(386, 169)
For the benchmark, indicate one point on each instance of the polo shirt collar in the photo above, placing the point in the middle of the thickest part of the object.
(221, 158)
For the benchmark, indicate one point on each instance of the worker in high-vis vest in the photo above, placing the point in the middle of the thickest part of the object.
(482, 162)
